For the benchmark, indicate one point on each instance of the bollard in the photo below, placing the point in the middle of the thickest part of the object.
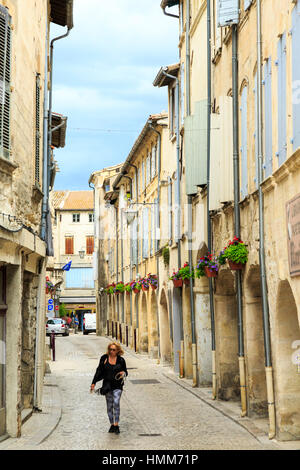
(107, 327)
(52, 340)
(127, 335)
(120, 329)
(134, 339)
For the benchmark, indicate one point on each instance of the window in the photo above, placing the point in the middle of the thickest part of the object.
(76, 218)
(91, 218)
(5, 72)
(153, 161)
(296, 75)
(69, 245)
(89, 245)
(80, 278)
(282, 111)
(268, 118)
(143, 175)
(148, 169)
(244, 143)
(37, 129)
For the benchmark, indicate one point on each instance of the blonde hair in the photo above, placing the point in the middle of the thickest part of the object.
(120, 351)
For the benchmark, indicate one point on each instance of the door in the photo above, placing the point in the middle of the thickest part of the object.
(3, 308)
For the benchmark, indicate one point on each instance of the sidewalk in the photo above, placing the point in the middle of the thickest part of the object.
(40, 425)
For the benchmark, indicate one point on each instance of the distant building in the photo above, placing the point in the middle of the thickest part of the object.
(73, 240)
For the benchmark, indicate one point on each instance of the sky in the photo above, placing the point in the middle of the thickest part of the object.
(103, 74)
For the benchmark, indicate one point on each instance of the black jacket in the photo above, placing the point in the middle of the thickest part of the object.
(101, 372)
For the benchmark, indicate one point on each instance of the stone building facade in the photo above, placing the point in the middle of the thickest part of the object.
(24, 52)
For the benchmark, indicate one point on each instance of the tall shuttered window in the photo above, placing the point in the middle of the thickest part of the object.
(89, 245)
(37, 128)
(5, 77)
(282, 109)
(296, 75)
(69, 245)
(244, 142)
(268, 166)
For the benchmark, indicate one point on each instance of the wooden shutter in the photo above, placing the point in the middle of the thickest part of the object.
(296, 74)
(244, 147)
(89, 245)
(182, 108)
(5, 77)
(170, 211)
(69, 244)
(37, 128)
(256, 131)
(145, 233)
(282, 117)
(268, 118)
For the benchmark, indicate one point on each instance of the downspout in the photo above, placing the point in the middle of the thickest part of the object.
(117, 261)
(157, 244)
(188, 59)
(178, 208)
(46, 177)
(137, 251)
(122, 246)
(265, 305)
(169, 14)
(45, 143)
(209, 237)
(237, 227)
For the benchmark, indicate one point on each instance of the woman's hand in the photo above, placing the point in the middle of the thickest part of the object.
(92, 388)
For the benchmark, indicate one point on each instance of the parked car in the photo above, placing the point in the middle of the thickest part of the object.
(58, 326)
(89, 323)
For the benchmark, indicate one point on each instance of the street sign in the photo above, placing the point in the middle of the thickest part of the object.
(50, 307)
(50, 302)
(56, 307)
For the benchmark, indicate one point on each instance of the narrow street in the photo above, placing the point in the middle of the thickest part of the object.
(157, 415)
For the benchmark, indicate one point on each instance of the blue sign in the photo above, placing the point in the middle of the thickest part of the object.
(50, 302)
(50, 307)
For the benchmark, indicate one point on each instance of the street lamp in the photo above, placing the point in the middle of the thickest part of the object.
(81, 253)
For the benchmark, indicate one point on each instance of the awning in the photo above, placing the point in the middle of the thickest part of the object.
(59, 135)
(169, 3)
(62, 12)
(161, 79)
(77, 300)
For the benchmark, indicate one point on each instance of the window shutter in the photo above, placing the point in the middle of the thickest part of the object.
(244, 147)
(228, 12)
(282, 118)
(152, 245)
(5, 77)
(37, 129)
(89, 245)
(268, 118)
(170, 210)
(177, 214)
(296, 75)
(153, 164)
(145, 233)
(256, 131)
(69, 245)
(182, 92)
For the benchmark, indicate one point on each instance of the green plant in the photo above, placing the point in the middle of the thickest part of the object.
(120, 287)
(127, 287)
(208, 261)
(62, 310)
(237, 252)
(166, 255)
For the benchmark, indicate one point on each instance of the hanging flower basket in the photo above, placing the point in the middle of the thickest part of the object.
(153, 287)
(186, 282)
(210, 273)
(145, 289)
(136, 291)
(153, 281)
(235, 266)
(177, 282)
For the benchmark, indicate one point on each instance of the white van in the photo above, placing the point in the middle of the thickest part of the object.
(89, 323)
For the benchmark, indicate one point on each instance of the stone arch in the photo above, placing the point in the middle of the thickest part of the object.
(226, 336)
(153, 325)
(143, 325)
(254, 344)
(164, 329)
(287, 348)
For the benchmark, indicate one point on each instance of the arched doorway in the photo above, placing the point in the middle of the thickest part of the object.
(287, 372)
(164, 329)
(153, 349)
(254, 345)
(143, 325)
(226, 337)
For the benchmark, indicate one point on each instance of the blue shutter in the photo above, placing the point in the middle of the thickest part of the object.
(145, 233)
(256, 132)
(182, 92)
(281, 62)
(156, 229)
(228, 12)
(244, 147)
(296, 74)
(268, 118)
(170, 209)
(81, 278)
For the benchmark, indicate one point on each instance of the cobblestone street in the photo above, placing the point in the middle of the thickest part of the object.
(160, 415)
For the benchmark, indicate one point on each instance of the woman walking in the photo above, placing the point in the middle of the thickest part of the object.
(112, 369)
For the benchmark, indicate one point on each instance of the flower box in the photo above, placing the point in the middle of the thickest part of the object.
(153, 287)
(136, 291)
(186, 282)
(145, 289)
(177, 282)
(210, 272)
(235, 266)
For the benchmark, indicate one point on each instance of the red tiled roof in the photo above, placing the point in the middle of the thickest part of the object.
(73, 200)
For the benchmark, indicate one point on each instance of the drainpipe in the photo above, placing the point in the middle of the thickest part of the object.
(209, 237)
(169, 14)
(46, 177)
(187, 59)
(45, 143)
(137, 246)
(178, 208)
(265, 305)
(158, 224)
(117, 260)
(190, 241)
(237, 227)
